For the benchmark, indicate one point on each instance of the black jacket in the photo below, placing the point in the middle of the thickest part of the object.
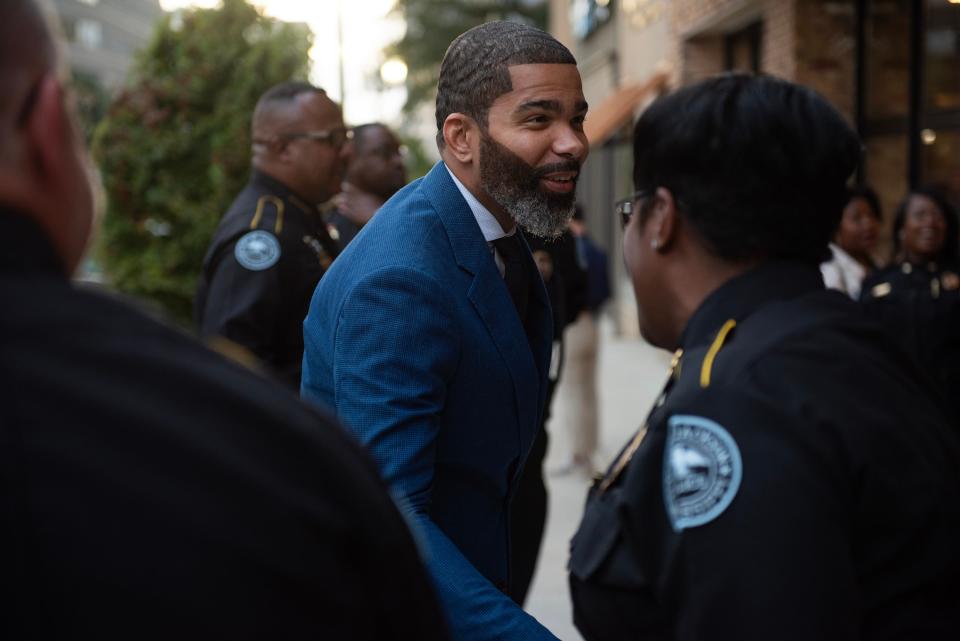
(149, 489)
(264, 261)
(795, 482)
(920, 307)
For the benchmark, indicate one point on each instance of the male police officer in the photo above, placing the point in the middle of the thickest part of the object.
(272, 247)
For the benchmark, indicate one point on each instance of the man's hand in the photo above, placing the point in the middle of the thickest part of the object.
(356, 205)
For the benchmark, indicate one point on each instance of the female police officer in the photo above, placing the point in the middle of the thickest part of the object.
(793, 481)
(917, 296)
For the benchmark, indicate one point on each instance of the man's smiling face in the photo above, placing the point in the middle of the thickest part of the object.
(533, 146)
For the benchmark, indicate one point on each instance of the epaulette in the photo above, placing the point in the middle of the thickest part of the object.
(258, 214)
(706, 368)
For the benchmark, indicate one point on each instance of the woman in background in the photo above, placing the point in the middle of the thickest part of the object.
(917, 297)
(854, 243)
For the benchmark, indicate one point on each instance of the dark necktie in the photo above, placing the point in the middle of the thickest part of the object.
(513, 255)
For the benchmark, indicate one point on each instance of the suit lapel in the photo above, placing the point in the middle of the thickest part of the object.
(489, 296)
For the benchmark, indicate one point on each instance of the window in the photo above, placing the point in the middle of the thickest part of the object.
(911, 95)
(742, 48)
(940, 117)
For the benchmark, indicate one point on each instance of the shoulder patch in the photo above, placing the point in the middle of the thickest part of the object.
(257, 250)
(702, 470)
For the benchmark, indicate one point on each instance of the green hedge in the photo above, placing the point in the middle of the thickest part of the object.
(174, 147)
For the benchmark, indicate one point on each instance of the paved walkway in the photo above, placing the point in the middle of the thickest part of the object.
(631, 373)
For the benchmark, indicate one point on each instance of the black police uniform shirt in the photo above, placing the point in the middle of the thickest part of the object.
(150, 489)
(920, 306)
(266, 258)
(795, 482)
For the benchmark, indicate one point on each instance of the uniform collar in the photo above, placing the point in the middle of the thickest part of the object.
(24, 247)
(268, 183)
(741, 295)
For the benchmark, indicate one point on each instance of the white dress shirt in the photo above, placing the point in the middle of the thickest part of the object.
(489, 225)
(843, 272)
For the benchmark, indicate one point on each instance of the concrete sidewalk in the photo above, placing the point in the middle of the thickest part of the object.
(630, 374)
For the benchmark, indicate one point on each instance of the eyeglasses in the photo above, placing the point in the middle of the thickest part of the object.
(335, 137)
(625, 208)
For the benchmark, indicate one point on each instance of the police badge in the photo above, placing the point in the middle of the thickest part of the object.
(701, 471)
(257, 250)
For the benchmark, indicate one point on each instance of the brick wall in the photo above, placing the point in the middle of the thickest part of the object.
(887, 174)
(702, 56)
(826, 51)
(687, 14)
(700, 28)
(779, 50)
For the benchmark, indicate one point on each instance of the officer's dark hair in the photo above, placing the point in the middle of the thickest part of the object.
(286, 92)
(475, 68)
(948, 254)
(277, 97)
(757, 165)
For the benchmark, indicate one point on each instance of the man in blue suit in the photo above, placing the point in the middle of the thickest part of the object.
(431, 333)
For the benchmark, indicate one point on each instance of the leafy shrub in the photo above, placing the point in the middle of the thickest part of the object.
(174, 147)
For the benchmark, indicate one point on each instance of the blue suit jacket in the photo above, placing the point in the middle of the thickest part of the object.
(412, 336)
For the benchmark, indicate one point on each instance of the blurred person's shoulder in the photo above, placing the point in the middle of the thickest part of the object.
(61, 338)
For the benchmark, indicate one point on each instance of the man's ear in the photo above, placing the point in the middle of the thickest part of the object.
(56, 172)
(459, 131)
(48, 133)
(664, 220)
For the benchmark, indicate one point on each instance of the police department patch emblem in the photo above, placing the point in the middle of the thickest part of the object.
(701, 471)
(257, 250)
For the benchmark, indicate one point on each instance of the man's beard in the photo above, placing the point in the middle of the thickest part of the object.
(515, 186)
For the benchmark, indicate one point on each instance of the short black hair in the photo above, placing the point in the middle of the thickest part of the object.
(867, 193)
(758, 165)
(287, 91)
(475, 68)
(948, 253)
(280, 96)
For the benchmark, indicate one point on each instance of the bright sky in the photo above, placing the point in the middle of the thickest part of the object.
(367, 27)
